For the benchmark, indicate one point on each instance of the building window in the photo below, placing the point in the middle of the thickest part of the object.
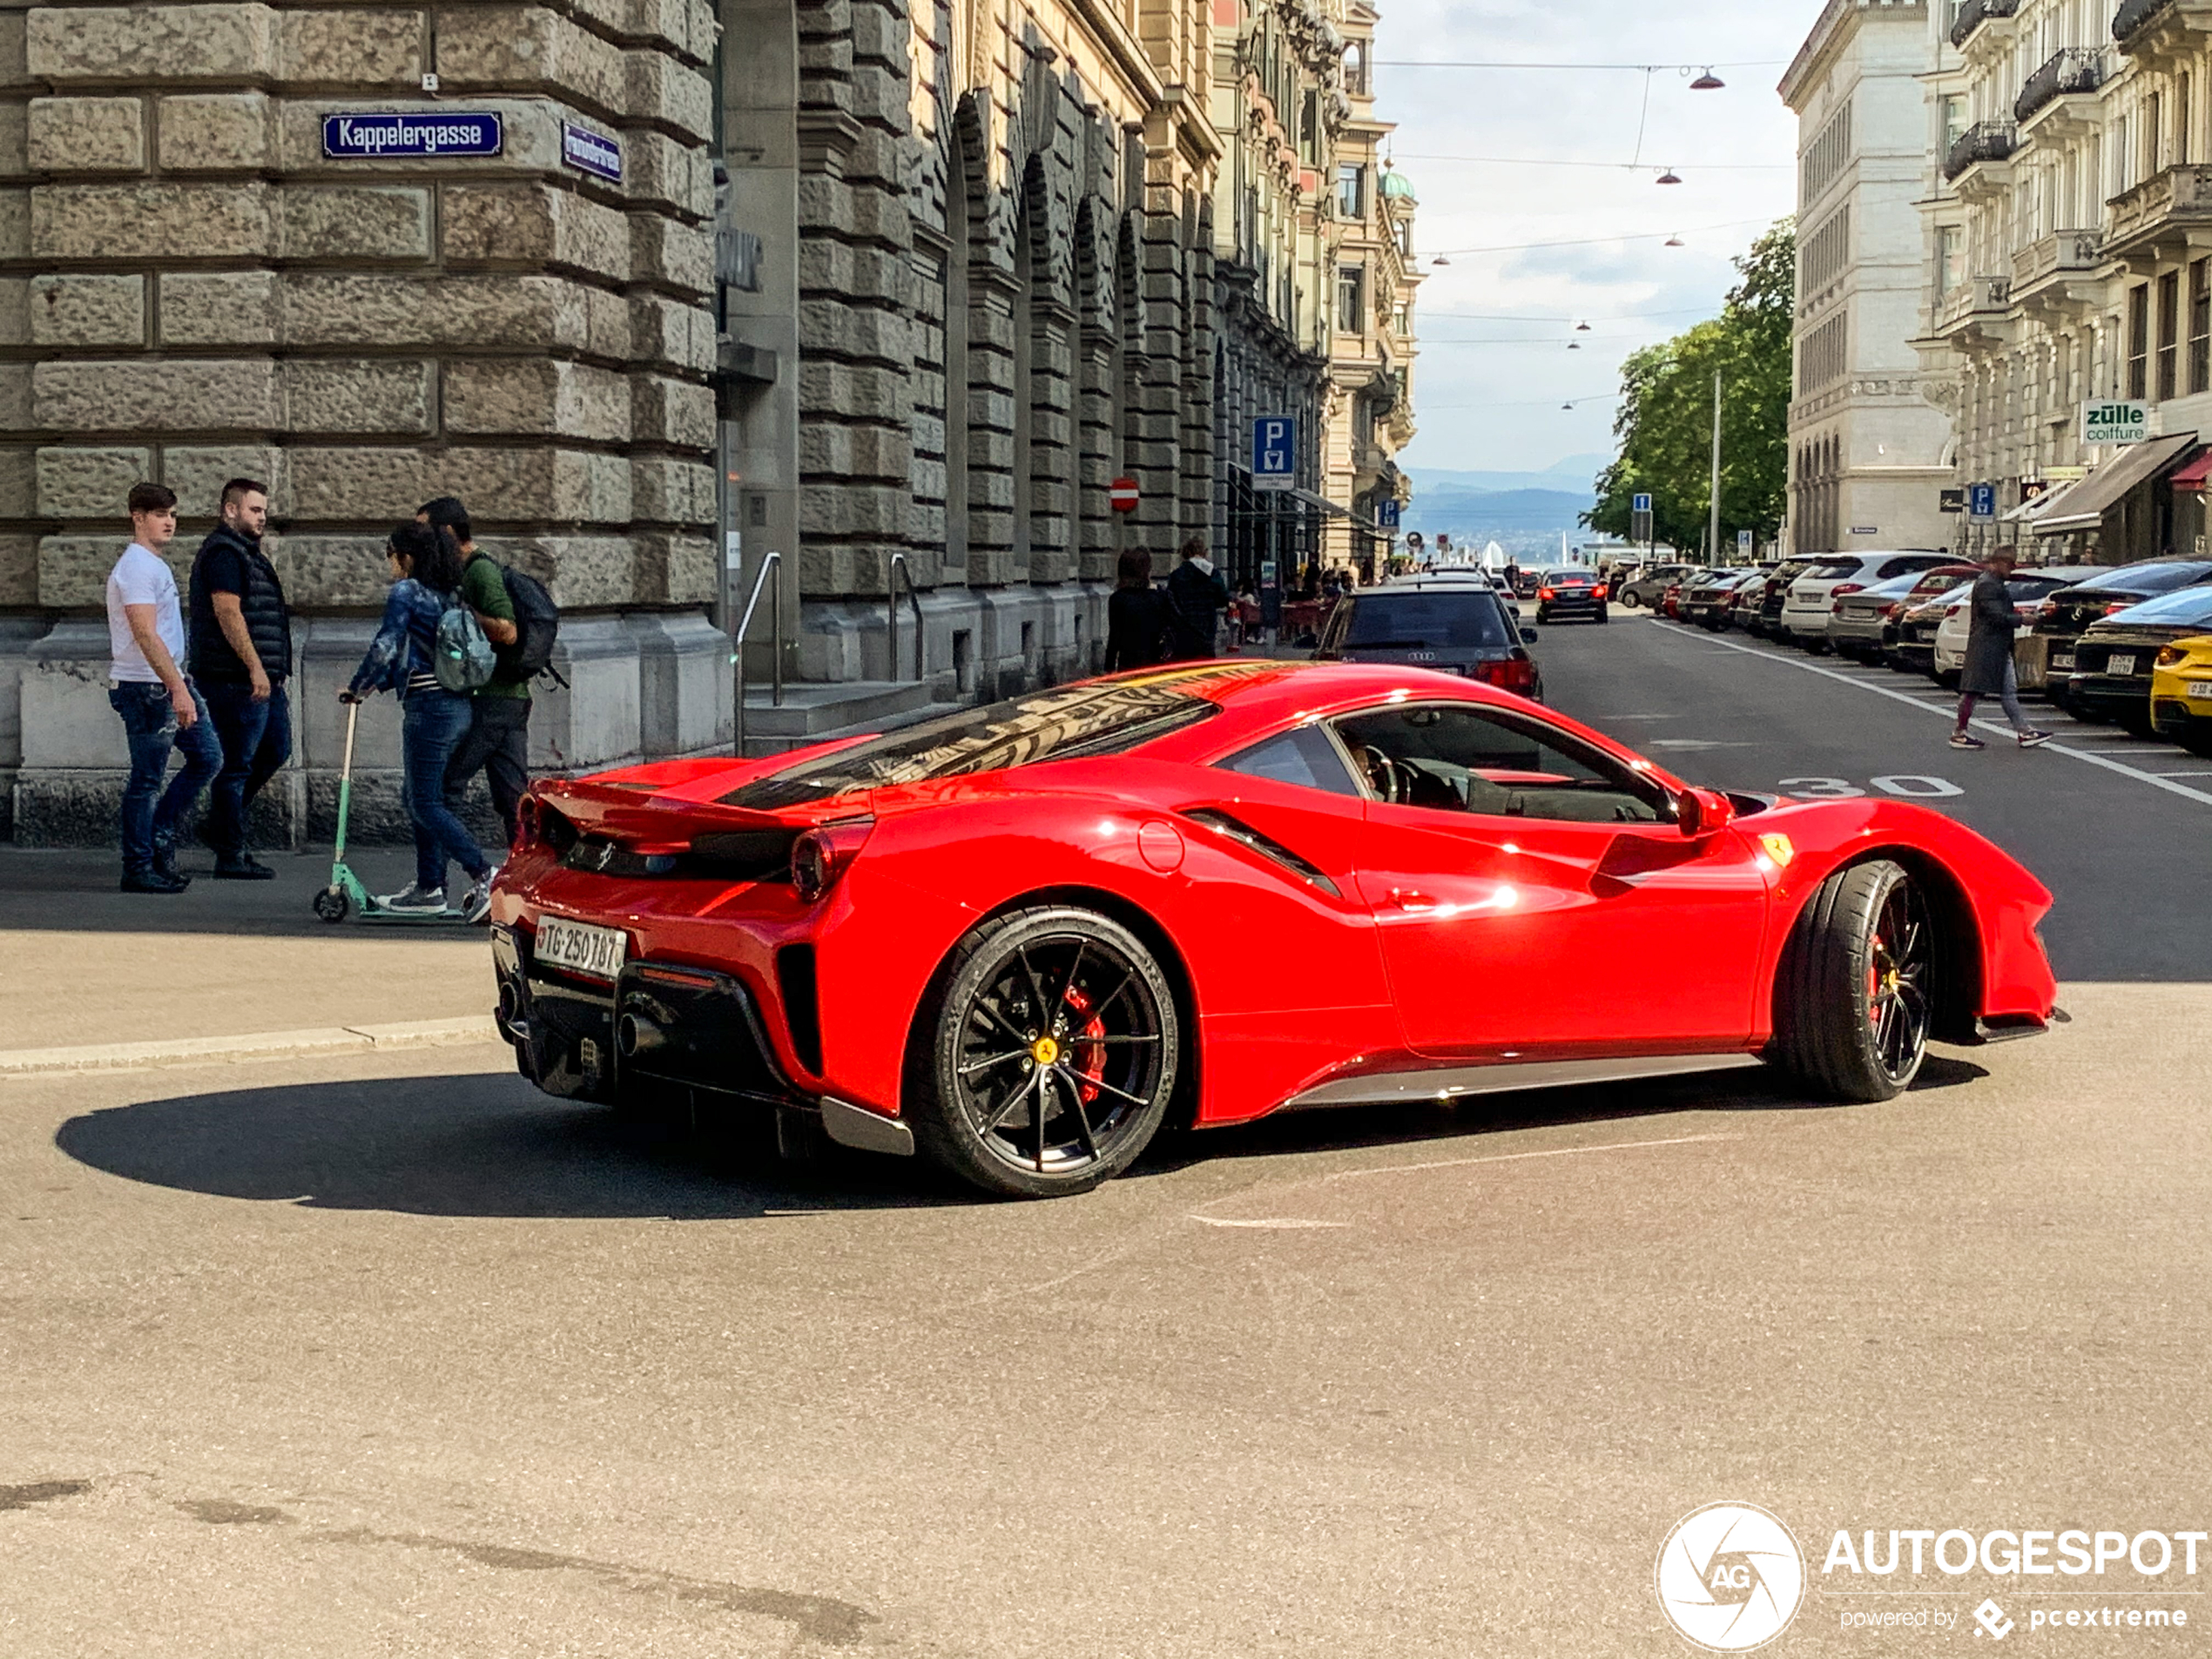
(1351, 299)
(1402, 317)
(1954, 120)
(2139, 341)
(2170, 335)
(2201, 326)
(2183, 114)
(2155, 135)
(1823, 356)
(1950, 259)
(1355, 68)
(1828, 157)
(1352, 193)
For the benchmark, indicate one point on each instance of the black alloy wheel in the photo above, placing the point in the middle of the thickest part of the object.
(1046, 1056)
(1855, 998)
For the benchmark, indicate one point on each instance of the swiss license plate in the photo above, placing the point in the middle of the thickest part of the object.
(2120, 662)
(596, 953)
(2200, 690)
(2061, 659)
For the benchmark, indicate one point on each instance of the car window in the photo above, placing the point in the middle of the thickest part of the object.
(2191, 607)
(1304, 757)
(1443, 619)
(2148, 579)
(2033, 587)
(1832, 570)
(1460, 759)
(1097, 717)
(1906, 566)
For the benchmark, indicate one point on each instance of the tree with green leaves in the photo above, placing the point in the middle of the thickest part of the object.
(1665, 425)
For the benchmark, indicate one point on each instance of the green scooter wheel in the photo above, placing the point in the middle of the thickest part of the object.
(333, 906)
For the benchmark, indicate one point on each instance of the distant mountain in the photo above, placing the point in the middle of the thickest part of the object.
(1577, 475)
(1466, 512)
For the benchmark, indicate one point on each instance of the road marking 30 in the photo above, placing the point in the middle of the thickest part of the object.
(2153, 779)
(1910, 784)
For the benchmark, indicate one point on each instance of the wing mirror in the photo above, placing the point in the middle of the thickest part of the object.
(1703, 811)
(1528, 635)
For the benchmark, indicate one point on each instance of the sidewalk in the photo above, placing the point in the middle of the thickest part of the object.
(82, 963)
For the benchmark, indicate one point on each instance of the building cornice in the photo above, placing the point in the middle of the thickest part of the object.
(1836, 19)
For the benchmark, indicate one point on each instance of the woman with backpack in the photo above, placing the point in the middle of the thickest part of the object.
(423, 620)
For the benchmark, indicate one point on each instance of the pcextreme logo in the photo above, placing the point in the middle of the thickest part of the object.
(1730, 1577)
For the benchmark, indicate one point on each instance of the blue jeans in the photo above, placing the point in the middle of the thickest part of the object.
(257, 741)
(2010, 697)
(431, 723)
(150, 721)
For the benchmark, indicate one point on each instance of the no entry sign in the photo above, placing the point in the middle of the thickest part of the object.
(1123, 495)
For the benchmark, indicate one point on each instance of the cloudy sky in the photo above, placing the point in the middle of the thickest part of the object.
(1494, 324)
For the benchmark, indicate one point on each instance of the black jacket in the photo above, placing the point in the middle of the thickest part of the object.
(230, 562)
(1989, 637)
(1196, 601)
(1136, 629)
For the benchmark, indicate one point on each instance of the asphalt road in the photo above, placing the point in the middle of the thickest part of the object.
(2119, 828)
(391, 1355)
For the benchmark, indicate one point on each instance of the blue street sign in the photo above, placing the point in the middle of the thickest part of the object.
(435, 132)
(1386, 513)
(1639, 504)
(1981, 501)
(593, 153)
(1274, 452)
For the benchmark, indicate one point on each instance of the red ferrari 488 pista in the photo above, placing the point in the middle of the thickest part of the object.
(1018, 939)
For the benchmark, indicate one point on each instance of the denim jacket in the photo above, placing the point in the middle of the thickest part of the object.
(402, 656)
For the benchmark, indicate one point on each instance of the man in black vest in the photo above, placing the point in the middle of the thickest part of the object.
(242, 658)
(1197, 597)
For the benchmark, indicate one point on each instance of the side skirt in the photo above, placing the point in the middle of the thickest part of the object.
(1396, 1088)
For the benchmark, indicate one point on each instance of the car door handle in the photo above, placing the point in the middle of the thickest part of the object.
(1411, 898)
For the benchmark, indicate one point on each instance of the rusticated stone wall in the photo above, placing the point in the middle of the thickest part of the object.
(192, 290)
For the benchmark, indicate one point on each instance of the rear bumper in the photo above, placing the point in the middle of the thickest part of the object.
(2170, 716)
(2103, 695)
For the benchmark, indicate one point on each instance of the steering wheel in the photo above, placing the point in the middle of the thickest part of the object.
(1388, 777)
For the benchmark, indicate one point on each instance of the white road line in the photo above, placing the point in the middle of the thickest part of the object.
(1515, 1157)
(2154, 780)
(1281, 1224)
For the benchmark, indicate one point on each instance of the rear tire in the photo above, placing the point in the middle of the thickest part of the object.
(1853, 997)
(331, 905)
(1629, 601)
(1045, 1055)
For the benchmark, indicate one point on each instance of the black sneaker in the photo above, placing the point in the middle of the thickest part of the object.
(154, 880)
(244, 867)
(165, 858)
(1966, 740)
(2034, 739)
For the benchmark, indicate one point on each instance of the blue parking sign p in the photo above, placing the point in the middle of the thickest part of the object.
(1274, 451)
(1981, 501)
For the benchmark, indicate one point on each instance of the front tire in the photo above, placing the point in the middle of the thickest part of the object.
(1045, 1055)
(1854, 996)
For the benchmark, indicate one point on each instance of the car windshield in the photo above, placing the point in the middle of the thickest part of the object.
(1833, 570)
(2191, 607)
(2148, 579)
(1439, 619)
(1935, 581)
(1569, 579)
(1892, 589)
(1097, 717)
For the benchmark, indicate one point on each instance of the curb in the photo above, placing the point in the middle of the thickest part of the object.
(265, 1045)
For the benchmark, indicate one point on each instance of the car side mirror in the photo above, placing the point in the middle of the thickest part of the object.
(1703, 811)
(1528, 635)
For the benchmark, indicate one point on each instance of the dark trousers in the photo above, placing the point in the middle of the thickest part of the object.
(498, 745)
(431, 725)
(150, 813)
(257, 741)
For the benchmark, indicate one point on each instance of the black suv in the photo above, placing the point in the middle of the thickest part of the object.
(1459, 625)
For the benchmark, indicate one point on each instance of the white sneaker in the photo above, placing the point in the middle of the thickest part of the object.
(476, 907)
(415, 901)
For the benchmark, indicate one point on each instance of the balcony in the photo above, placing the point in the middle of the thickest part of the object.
(1979, 160)
(2160, 29)
(1976, 314)
(2154, 220)
(2058, 273)
(1975, 13)
(2062, 94)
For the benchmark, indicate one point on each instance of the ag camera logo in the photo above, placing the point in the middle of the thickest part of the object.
(1730, 1577)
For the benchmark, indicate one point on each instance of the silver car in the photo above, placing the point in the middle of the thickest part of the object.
(1857, 623)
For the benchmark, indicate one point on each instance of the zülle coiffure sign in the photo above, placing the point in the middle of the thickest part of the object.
(2115, 420)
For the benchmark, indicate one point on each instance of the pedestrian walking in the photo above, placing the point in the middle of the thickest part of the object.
(426, 582)
(1990, 669)
(497, 742)
(1136, 621)
(242, 661)
(161, 712)
(1197, 597)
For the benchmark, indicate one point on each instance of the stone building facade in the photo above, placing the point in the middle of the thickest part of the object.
(1868, 456)
(888, 294)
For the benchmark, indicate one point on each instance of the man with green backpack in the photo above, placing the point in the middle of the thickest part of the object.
(519, 619)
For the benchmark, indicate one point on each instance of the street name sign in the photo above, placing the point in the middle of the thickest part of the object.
(593, 153)
(379, 136)
(1275, 452)
(2115, 420)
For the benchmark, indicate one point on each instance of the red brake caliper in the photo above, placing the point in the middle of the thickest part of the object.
(1874, 984)
(1088, 1059)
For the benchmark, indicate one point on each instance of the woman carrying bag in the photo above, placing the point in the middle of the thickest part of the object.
(425, 574)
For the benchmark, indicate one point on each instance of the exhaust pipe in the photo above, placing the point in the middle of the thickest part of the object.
(634, 1037)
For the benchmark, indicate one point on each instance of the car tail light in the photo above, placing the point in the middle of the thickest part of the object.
(1511, 674)
(1842, 588)
(1890, 613)
(2114, 610)
(821, 855)
(2047, 610)
(1546, 593)
(1598, 593)
(526, 822)
(2172, 656)
(1952, 610)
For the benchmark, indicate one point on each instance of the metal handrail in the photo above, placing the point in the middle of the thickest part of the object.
(891, 606)
(772, 564)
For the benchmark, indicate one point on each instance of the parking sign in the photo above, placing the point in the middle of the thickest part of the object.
(1743, 542)
(1386, 513)
(1275, 452)
(1981, 501)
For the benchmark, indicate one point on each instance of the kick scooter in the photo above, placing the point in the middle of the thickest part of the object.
(344, 894)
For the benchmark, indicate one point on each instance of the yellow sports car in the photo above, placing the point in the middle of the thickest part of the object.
(2181, 694)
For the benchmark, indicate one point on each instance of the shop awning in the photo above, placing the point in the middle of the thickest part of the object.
(2087, 501)
(2029, 511)
(2193, 476)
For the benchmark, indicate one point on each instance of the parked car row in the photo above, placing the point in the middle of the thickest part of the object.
(2129, 645)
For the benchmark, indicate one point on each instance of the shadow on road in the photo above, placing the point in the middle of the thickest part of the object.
(488, 1146)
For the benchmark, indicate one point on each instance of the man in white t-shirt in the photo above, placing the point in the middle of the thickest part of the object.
(160, 710)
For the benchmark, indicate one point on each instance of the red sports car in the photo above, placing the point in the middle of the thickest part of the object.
(1018, 939)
